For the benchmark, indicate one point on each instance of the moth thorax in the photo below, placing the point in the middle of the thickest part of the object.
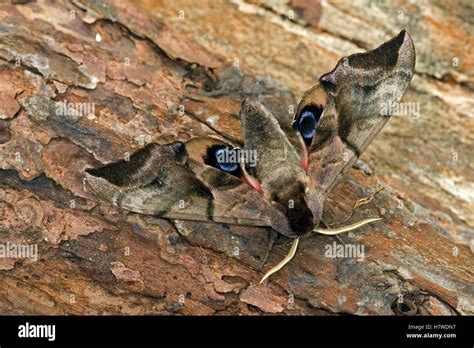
(291, 200)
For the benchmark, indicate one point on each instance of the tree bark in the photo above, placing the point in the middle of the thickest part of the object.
(156, 72)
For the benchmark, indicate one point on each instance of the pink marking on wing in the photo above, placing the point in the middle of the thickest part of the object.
(252, 182)
(305, 158)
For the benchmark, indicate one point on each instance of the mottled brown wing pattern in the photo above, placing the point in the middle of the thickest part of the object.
(163, 180)
(296, 167)
(351, 100)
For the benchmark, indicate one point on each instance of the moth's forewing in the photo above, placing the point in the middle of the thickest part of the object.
(354, 97)
(282, 106)
(155, 180)
(263, 134)
(162, 180)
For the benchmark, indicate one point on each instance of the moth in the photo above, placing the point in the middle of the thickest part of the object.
(295, 166)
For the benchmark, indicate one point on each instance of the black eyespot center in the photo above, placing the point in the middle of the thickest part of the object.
(224, 158)
(307, 122)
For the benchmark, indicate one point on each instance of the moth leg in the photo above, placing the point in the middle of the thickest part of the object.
(363, 201)
(336, 231)
(271, 243)
(283, 262)
(366, 200)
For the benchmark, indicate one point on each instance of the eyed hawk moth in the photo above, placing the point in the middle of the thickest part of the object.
(298, 162)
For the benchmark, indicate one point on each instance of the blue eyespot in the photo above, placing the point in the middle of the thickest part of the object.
(307, 122)
(224, 158)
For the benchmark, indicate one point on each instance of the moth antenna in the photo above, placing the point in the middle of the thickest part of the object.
(283, 262)
(336, 231)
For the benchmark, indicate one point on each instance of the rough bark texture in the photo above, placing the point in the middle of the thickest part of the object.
(139, 65)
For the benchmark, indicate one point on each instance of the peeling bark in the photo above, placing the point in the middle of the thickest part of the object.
(153, 77)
